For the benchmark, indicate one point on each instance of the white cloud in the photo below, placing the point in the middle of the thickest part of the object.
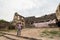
(46, 7)
(26, 7)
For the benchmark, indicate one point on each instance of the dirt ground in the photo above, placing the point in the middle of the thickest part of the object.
(27, 34)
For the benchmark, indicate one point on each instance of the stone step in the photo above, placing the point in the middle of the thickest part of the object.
(13, 37)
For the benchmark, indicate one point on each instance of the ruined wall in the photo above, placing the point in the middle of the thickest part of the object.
(58, 13)
(18, 19)
(28, 21)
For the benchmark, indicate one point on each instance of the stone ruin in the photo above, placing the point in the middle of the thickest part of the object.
(18, 18)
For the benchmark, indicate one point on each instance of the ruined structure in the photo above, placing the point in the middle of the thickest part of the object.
(58, 15)
(58, 12)
(31, 20)
(18, 19)
(28, 21)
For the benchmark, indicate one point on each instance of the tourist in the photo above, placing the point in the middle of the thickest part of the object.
(19, 27)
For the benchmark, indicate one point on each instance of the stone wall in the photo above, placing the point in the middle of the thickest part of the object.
(58, 12)
(18, 19)
(28, 21)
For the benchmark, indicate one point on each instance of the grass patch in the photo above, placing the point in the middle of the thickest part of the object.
(50, 34)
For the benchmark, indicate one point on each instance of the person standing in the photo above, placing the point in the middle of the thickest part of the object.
(19, 28)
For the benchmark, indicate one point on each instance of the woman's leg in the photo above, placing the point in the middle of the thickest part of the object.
(18, 32)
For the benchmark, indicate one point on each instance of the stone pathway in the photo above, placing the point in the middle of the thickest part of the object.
(26, 34)
(9, 36)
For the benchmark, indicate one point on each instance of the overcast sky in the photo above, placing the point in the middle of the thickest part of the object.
(26, 8)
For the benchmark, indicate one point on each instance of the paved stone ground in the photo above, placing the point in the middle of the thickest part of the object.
(27, 34)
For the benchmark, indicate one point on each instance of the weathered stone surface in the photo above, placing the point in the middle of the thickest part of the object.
(18, 19)
(58, 12)
(28, 21)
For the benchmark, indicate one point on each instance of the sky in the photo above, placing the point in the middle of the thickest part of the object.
(26, 8)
